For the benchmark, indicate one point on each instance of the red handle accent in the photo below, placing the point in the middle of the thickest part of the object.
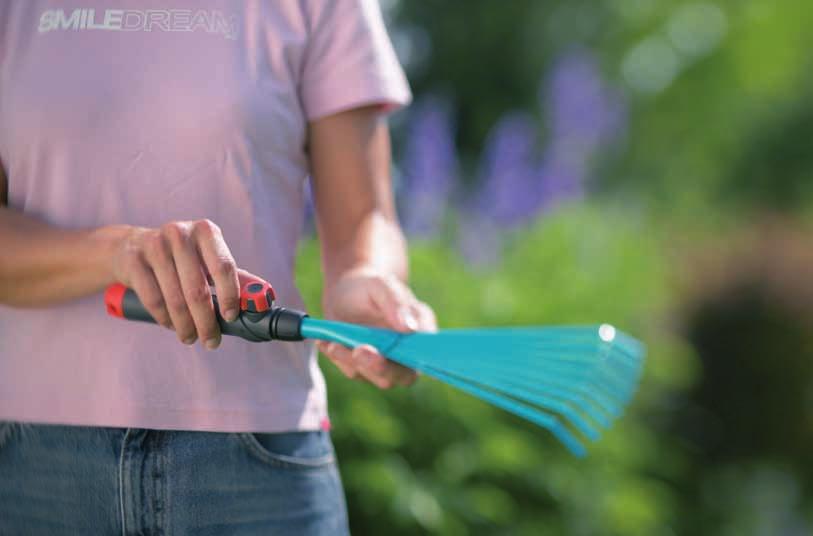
(256, 296)
(113, 298)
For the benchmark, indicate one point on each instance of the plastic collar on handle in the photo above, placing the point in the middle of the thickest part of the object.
(256, 296)
(114, 299)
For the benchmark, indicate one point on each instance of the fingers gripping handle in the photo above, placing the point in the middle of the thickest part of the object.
(256, 323)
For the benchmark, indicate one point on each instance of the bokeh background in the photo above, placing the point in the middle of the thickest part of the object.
(642, 162)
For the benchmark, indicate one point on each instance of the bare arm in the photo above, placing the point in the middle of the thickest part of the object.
(363, 249)
(357, 224)
(41, 265)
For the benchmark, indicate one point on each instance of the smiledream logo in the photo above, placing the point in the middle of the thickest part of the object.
(133, 20)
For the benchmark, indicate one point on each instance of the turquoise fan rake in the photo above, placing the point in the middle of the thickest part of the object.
(572, 380)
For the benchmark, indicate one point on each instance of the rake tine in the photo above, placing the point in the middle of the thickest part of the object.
(575, 376)
(562, 338)
(609, 410)
(544, 402)
(540, 418)
(602, 380)
(599, 410)
(423, 343)
(576, 393)
(543, 360)
(532, 379)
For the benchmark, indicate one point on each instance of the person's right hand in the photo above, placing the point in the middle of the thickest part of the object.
(170, 269)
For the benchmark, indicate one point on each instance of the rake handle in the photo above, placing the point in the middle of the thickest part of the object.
(258, 321)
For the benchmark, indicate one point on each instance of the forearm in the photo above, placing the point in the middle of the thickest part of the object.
(41, 264)
(376, 244)
(356, 220)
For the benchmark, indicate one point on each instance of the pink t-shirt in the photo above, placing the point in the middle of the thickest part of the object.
(148, 111)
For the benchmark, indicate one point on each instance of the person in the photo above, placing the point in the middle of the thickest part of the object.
(166, 146)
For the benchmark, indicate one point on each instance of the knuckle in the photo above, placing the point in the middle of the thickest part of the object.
(206, 228)
(226, 304)
(224, 267)
(381, 281)
(385, 383)
(176, 302)
(360, 357)
(337, 352)
(132, 252)
(382, 366)
(175, 232)
(154, 303)
(365, 357)
(155, 245)
(198, 295)
(340, 357)
(132, 261)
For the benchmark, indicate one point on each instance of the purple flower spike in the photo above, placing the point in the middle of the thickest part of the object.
(576, 100)
(584, 115)
(430, 168)
(508, 195)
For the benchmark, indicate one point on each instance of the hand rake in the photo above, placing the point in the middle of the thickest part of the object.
(571, 380)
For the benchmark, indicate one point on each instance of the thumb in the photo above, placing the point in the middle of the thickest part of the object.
(245, 277)
(393, 302)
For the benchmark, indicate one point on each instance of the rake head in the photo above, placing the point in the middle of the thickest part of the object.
(573, 381)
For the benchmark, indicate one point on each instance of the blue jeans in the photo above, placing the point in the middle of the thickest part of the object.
(86, 480)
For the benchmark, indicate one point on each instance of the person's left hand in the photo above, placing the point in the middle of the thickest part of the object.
(370, 298)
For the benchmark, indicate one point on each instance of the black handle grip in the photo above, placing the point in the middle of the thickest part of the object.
(274, 323)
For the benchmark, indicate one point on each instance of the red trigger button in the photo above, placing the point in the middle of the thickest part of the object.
(256, 297)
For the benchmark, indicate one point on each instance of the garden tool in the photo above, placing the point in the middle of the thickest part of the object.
(571, 380)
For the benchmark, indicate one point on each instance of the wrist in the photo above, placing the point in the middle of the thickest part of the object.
(358, 271)
(107, 242)
(381, 250)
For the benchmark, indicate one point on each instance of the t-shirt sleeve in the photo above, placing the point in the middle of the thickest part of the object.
(349, 61)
